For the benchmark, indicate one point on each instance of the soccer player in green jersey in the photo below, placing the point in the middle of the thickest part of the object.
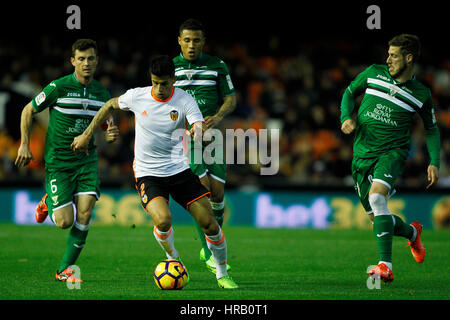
(207, 79)
(392, 96)
(71, 178)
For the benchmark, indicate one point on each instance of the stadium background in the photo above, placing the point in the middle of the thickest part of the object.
(289, 67)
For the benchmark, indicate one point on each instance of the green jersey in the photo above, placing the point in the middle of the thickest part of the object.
(72, 106)
(207, 79)
(386, 113)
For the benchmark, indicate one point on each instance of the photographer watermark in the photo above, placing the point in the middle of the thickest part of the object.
(374, 280)
(253, 147)
(74, 282)
(74, 19)
(374, 20)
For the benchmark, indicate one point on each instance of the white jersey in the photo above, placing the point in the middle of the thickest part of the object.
(158, 148)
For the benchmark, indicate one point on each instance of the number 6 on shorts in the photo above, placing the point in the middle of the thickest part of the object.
(54, 187)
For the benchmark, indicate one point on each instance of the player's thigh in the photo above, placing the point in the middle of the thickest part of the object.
(60, 187)
(188, 191)
(217, 188)
(185, 188)
(87, 191)
(63, 217)
(204, 180)
(158, 208)
(216, 173)
(362, 173)
(85, 204)
(154, 194)
(201, 211)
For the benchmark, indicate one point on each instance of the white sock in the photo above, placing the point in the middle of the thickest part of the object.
(218, 205)
(218, 247)
(388, 264)
(378, 203)
(81, 227)
(166, 241)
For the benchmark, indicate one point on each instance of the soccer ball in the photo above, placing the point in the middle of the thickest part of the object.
(170, 274)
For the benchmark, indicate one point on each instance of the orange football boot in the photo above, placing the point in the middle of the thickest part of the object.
(67, 275)
(383, 272)
(417, 248)
(41, 210)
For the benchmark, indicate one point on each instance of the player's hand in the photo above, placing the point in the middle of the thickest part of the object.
(24, 156)
(112, 133)
(212, 121)
(197, 131)
(80, 143)
(433, 175)
(348, 126)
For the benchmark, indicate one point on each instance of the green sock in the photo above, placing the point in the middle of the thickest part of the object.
(402, 229)
(383, 228)
(75, 243)
(202, 238)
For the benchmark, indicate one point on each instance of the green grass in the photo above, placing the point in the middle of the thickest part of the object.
(279, 264)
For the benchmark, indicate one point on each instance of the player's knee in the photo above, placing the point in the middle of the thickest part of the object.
(378, 203)
(217, 191)
(163, 224)
(84, 216)
(380, 188)
(63, 221)
(376, 199)
(210, 226)
(217, 196)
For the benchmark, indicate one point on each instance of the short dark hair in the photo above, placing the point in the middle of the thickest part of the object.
(162, 65)
(192, 24)
(84, 44)
(408, 43)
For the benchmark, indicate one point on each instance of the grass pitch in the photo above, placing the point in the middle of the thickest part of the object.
(268, 264)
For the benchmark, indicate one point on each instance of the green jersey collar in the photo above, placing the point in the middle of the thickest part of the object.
(78, 81)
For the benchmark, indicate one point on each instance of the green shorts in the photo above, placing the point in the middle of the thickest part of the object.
(62, 185)
(208, 162)
(385, 168)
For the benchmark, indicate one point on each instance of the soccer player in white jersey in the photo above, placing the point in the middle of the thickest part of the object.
(160, 166)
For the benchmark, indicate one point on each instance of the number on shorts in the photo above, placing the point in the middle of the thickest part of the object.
(54, 187)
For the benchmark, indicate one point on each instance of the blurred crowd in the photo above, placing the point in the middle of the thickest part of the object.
(295, 89)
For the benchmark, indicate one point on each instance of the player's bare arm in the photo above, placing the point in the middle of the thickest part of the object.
(228, 106)
(24, 155)
(348, 126)
(433, 175)
(81, 142)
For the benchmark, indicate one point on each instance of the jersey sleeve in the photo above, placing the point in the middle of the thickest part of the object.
(125, 101)
(47, 97)
(432, 135)
(226, 87)
(193, 113)
(356, 87)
